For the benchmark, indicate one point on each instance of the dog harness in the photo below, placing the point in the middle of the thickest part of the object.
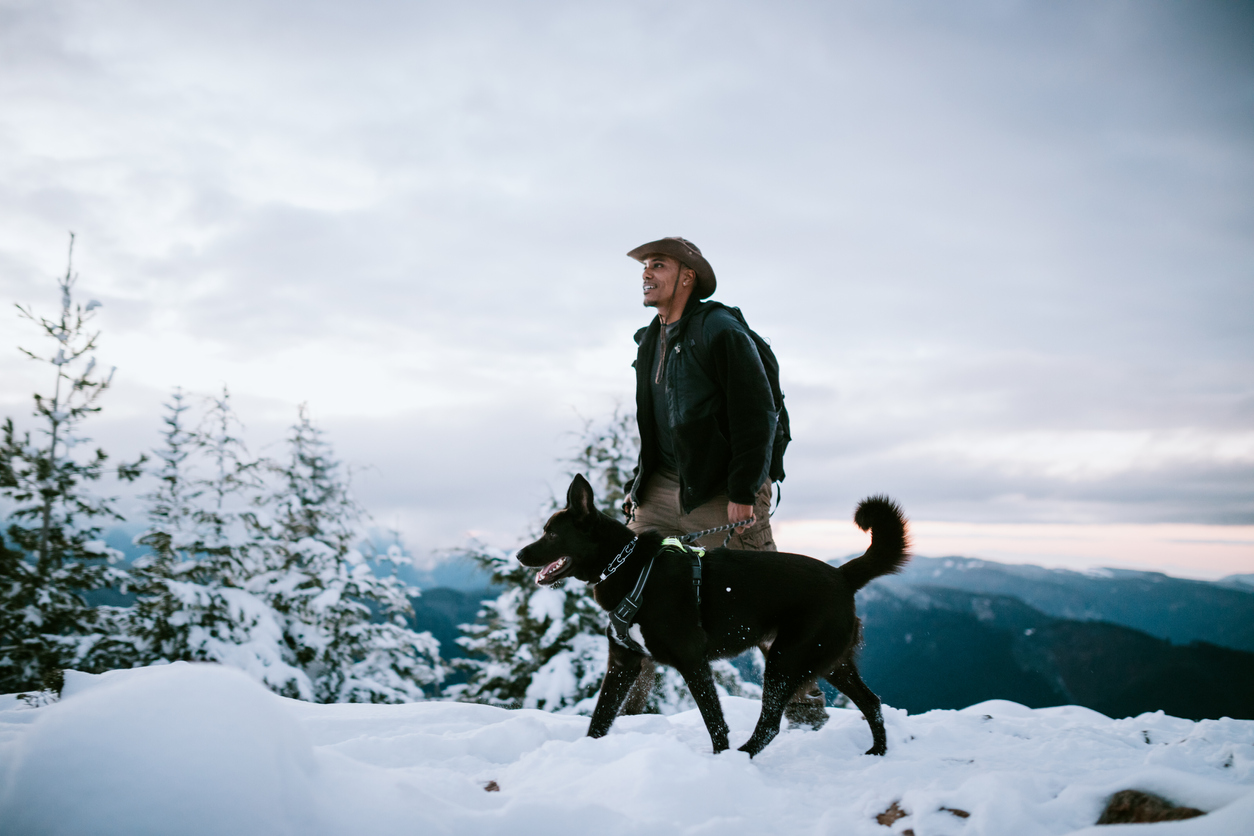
(624, 615)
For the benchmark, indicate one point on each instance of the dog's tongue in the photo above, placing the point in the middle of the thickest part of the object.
(552, 569)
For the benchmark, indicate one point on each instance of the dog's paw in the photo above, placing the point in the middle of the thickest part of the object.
(877, 750)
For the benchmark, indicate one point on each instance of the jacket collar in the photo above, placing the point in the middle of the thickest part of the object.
(646, 335)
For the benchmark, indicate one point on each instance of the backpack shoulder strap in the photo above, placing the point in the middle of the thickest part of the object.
(770, 363)
(695, 335)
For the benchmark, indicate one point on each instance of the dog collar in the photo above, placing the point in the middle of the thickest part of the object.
(618, 561)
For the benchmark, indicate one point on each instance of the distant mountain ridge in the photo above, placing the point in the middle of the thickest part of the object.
(937, 647)
(1176, 609)
(1244, 583)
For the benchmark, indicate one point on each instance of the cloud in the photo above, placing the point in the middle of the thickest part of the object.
(994, 246)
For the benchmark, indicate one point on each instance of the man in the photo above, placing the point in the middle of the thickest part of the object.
(708, 422)
(704, 408)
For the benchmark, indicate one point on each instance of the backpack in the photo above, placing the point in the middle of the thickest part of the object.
(770, 363)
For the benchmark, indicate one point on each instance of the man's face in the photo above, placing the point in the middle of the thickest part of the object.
(661, 273)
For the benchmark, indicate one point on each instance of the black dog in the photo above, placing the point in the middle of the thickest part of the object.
(802, 607)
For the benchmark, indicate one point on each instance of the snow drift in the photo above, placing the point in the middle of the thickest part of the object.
(184, 748)
(203, 749)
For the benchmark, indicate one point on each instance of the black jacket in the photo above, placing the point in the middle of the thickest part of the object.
(722, 413)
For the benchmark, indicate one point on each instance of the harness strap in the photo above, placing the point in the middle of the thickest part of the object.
(625, 613)
(695, 553)
(696, 580)
(625, 641)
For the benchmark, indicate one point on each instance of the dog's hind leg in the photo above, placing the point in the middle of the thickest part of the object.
(624, 667)
(779, 682)
(700, 682)
(850, 683)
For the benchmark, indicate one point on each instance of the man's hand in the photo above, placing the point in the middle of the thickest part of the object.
(740, 514)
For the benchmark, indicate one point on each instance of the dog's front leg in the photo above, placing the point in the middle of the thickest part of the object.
(623, 668)
(701, 685)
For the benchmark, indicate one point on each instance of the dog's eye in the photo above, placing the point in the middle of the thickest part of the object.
(549, 535)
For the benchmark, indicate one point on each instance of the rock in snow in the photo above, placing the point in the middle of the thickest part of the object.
(201, 749)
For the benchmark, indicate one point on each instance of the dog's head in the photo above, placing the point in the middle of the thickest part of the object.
(568, 545)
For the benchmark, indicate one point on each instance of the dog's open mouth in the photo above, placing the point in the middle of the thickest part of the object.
(553, 571)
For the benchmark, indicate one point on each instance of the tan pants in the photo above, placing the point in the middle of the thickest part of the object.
(660, 510)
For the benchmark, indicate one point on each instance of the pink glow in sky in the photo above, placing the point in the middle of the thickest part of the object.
(1206, 552)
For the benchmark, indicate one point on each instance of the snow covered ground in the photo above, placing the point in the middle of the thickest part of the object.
(192, 749)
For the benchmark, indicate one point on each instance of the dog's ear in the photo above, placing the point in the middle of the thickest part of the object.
(579, 498)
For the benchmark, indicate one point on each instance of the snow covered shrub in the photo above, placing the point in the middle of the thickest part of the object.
(545, 647)
(45, 622)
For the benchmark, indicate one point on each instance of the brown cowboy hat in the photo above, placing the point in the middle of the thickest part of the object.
(685, 251)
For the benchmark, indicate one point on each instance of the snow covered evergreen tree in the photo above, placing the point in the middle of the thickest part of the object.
(20, 667)
(199, 588)
(545, 647)
(327, 593)
(55, 519)
(255, 565)
(160, 622)
(532, 647)
(606, 456)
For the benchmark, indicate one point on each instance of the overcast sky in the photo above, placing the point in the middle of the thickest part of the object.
(1004, 250)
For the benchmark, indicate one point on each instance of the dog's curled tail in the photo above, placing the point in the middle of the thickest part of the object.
(890, 541)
